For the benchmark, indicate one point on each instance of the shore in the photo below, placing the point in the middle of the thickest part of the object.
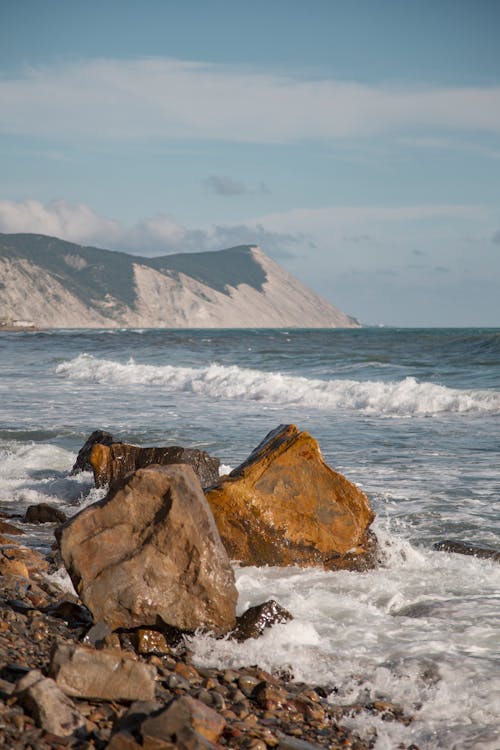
(256, 709)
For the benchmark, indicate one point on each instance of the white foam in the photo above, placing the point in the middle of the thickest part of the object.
(406, 397)
(419, 631)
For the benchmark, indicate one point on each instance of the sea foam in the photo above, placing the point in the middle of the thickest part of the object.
(406, 397)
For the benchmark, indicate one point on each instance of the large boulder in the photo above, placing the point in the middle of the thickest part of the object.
(82, 462)
(285, 506)
(150, 554)
(111, 463)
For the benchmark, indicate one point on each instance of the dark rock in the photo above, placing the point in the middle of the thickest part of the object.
(465, 548)
(294, 743)
(285, 506)
(44, 513)
(253, 622)
(74, 614)
(82, 462)
(48, 705)
(83, 672)
(150, 553)
(112, 463)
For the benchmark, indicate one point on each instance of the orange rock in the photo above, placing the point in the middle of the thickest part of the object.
(285, 506)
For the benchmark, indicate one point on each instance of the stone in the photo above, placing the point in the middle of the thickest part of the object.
(96, 635)
(184, 713)
(150, 553)
(151, 642)
(82, 462)
(74, 614)
(285, 506)
(9, 528)
(84, 672)
(11, 566)
(465, 548)
(52, 710)
(112, 463)
(253, 622)
(44, 513)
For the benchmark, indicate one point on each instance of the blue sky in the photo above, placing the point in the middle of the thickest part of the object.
(358, 142)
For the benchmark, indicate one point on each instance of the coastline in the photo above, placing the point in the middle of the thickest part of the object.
(256, 709)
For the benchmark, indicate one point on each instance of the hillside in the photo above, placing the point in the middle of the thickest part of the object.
(64, 285)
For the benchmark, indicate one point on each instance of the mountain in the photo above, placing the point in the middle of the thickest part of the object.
(59, 284)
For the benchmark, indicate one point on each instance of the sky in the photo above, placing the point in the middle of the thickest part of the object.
(357, 142)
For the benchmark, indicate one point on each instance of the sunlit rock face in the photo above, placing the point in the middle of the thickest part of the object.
(285, 506)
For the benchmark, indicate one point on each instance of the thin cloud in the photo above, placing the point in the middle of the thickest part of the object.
(496, 237)
(223, 185)
(168, 98)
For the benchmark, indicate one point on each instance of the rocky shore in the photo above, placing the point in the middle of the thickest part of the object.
(111, 666)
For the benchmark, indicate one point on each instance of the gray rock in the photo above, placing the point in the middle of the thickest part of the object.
(52, 710)
(83, 672)
(150, 553)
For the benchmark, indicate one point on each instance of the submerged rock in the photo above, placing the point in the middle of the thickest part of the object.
(465, 548)
(285, 506)
(112, 463)
(150, 553)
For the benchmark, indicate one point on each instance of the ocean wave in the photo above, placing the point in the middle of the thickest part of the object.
(407, 397)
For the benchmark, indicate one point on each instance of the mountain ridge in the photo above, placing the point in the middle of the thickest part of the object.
(61, 284)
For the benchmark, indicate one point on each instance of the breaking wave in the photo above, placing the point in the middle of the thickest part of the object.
(406, 397)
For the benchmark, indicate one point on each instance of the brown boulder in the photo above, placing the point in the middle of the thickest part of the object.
(112, 463)
(285, 506)
(253, 622)
(44, 513)
(150, 554)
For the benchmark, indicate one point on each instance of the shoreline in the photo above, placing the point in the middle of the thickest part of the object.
(258, 710)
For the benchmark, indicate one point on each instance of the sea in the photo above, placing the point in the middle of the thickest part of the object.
(412, 416)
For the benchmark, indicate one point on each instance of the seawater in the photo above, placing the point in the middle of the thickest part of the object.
(412, 416)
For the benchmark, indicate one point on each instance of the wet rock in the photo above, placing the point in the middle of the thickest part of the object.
(82, 462)
(183, 716)
(9, 528)
(294, 743)
(285, 506)
(83, 672)
(465, 548)
(253, 622)
(44, 513)
(151, 642)
(48, 705)
(150, 553)
(112, 463)
(9, 565)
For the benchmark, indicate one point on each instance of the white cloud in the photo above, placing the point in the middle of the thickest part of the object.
(109, 98)
(151, 236)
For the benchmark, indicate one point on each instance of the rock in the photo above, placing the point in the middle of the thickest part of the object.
(180, 716)
(293, 743)
(112, 463)
(9, 528)
(151, 642)
(48, 705)
(150, 553)
(44, 513)
(465, 548)
(97, 635)
(82, 462)
(10, 566)
(253, 622)
(16, 559)
(74, 614)
(83, 672)
(285, 506)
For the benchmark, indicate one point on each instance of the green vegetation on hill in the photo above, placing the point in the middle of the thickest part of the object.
(91, 273)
